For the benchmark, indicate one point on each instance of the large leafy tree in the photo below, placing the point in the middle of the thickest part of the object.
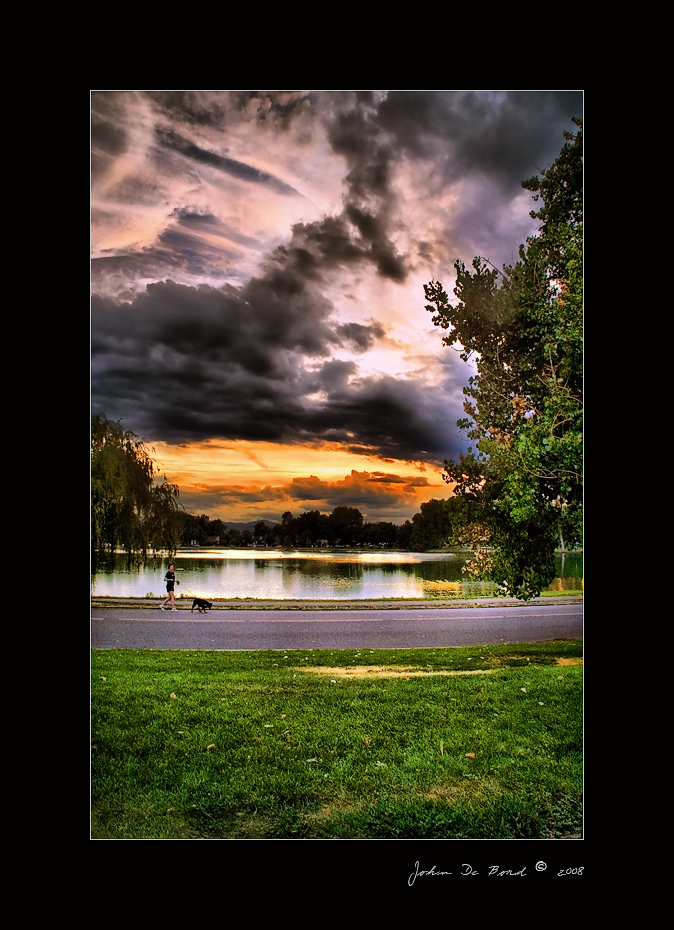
(521, 481)
(345, 526)
(129, 510)
(431, 527)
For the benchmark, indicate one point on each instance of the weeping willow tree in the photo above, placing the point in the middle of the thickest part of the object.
(129, 509)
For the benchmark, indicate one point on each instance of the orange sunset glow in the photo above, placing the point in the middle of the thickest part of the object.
(250, 481)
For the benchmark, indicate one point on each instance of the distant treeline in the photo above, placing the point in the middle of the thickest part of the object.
(433, 527)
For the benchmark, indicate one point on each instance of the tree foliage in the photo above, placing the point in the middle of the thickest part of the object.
(129, 510)
(431, 527)
(522, 479)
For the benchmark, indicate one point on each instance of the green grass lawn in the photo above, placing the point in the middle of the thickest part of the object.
(458, 742)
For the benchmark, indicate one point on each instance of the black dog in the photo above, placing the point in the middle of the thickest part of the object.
(201, 605)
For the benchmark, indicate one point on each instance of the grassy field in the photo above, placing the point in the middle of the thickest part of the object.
(446, 743)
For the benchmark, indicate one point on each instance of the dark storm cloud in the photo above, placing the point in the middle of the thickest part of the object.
(501, 138)
(506, 135)
(172, 140)
(315, 249)
(493, 141)
(369, 200)
(192, 363)
(401, 419)
(360, 234)
(256, 362)
(354, 237)
(360, 338)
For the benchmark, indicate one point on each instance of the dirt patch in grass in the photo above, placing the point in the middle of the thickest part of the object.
(403, 671)
(386, 671)
(251, 826)
(469, 786)
(332, 809)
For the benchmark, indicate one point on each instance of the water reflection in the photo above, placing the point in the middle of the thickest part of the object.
(326, 574)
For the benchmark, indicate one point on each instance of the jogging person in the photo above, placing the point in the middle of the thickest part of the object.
(170, 579)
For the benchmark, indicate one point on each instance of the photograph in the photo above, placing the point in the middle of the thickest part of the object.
(336, 384)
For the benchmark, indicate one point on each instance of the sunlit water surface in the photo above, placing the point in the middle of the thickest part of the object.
(326, 574)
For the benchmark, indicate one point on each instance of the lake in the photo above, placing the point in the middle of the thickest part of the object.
(326, 574)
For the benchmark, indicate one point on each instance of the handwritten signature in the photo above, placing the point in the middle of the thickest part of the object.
(420, 872)
(467, 869)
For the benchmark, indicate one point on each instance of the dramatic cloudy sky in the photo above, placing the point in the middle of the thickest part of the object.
(258, 262)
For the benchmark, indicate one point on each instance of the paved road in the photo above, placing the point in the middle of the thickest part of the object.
(318, 629)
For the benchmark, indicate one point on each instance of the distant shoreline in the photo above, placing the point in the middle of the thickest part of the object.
(454, 549)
